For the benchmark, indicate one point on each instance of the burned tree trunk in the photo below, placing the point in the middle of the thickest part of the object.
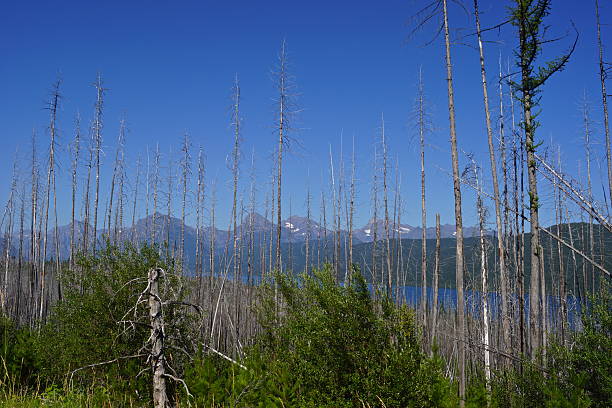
(156, 355)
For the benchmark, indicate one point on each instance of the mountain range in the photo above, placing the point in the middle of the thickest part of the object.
(294, 229)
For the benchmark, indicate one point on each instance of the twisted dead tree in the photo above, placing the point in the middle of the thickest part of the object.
(155, 349)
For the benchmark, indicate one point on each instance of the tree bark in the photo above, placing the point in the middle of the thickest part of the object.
(458, 215)
(498, 215)
(156, 356)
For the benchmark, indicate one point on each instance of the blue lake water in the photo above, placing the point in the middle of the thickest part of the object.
(447, 300)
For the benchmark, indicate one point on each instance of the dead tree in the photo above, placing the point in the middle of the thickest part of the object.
(422, 123)
(236, 124)
(157, 358)
(336, 208)
(155, 193)
(458, 213)
(120, 142)
(134, 211)
(374, 223)
(385, 201)
(483, 274)
(603, 76)
(20, 257)
(562, 276)
(185, 172)
(33, 232)
(97, 134)
(87, 197)
(200, 195)
(53, 109)
(9, 215)
(586, 120)
(496, 195)
(351, 213)
(75, 165)
(170, 192)
(436, 277)
(285, 110)
(308, 230)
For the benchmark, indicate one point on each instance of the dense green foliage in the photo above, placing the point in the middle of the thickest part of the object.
(322, 344)
(95, 336)
(329, 345)
(579, 375)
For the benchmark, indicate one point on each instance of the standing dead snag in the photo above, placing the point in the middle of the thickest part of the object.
(75, 148)
(498, 214)
(285, 111)
(156, 355)
(53, 107)
(422, 128)
(458, 214)
(149, 311)
(97, 135)
(603, 75)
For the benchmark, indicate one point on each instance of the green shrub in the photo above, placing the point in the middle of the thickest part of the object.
(579, 375)
(18, 359)
(84, 327)
(328, 345)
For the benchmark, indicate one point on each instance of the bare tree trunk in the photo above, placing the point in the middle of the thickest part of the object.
(98, 141)
(374, 225)
(156, 357)
(498, 215)
(118, 231)
(199, 210)
(53, 107)
(308, 230)
(436, 277)
(283, 84)
(351, 213)
(520, 226)
(485, 287)
(168, 224)
(155, 188)
(186, 170)
(386, 199)
(236, 121)
(338, 212)
(421, 113)
(587, 150)
(33, 235)
(8, 241)
(213, 203)
(562, 295)
(147, 193)
(134, 211)
(604, 99)
(336, 209)
(251, 231)
(87, 198)
(75, 166)
(18, 290)
(115, 175)
(458, 214)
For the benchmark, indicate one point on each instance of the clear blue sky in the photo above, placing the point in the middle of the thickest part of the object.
(169, 67)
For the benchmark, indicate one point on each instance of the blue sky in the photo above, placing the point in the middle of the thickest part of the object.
(169, 67)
